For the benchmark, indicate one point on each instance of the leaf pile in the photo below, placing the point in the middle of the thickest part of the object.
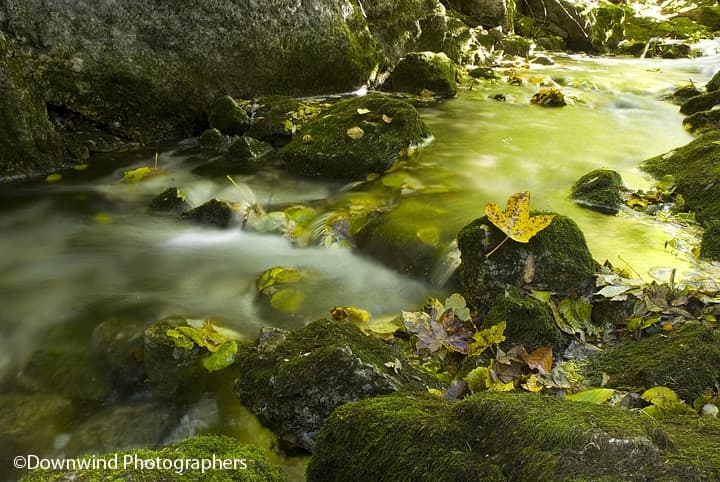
(220, 342)
(441, 325)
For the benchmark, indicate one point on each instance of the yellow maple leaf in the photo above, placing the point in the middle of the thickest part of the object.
(515, 220)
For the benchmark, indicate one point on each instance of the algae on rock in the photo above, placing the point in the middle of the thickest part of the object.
(599, 190)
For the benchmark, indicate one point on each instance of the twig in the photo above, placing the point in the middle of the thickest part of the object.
(498, 246)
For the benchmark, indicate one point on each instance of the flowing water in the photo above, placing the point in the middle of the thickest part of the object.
(87, 248)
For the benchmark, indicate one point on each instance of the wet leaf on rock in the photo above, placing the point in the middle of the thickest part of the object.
(134, 176)
(515, 220)
(276, 276)
(484, 339)
(439, 327)
(363, 111)
(350, 313)
(355, 133)
(594, 395)
(222, 358)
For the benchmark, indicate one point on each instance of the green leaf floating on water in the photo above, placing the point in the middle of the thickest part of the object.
(594, 395)
(222, 358)
(134, 176)
(276, 276)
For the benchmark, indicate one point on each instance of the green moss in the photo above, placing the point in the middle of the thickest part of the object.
(702, 122)
(709, 16)
(696, 169)
(529, 322)
(556, 259)
(696, 454)
(269, 116)
(599, 190)
(714, 83)
(489, 436)
(419, 71)
(685, 360)
(700, 102)
(207, 448)
(331, 152)
(710, 246)
(228, 117)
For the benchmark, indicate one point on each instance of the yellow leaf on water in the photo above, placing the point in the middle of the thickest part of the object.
(515, 220)
(355, 133)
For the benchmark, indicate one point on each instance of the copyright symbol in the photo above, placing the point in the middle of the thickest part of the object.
(19, 462)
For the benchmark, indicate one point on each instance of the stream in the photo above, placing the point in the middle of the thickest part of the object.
(86, 248)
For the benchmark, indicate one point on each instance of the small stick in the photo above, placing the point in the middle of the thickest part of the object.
(498, 246)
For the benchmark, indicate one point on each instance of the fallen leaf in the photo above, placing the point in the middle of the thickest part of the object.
(363, 111)
(594, 395)
(484, 339)
(355, 133)
(350, 313)
(515, 220)
(541, 360)
(387, 119)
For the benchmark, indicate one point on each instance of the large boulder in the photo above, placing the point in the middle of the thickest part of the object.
(488, 13)
(556, 259)
(293, 381)
(562, 18)
(354, 138)
(503, 436)
(696, 169)
(148, 71)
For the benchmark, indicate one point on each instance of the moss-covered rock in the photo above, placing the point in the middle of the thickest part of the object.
(171, 200)
(293, 381)
(599, 190)
(489, 436)
(217, 213)
(709, 16)
(556, 259)
(700, 102)
(488, 13)
(269, 117)
(228, 117)
(563, 19)
(28, 425)
(703, 121)
(120, 427)
(177, 372)
(420, 71)
(686, 360)
(214, 140)
(120, 343)
(180, 460)
(714, 83)
(710, 244)
(345, 142)
(696, 170)
(408, 238)
(247, 150)
(515, 45)
(529, 322)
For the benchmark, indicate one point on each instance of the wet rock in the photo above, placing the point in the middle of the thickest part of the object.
(714, 83)
(440, 32)
(408, 238)
(246, 463)
(176, 372)
(562, 19)
(685, 360)
(419, 71)
(244, 156)
(529, 321)
(710, 244)
(217, 213)
(709, 16)
(488, 436)
(170, 200)
(548, 97)
(556, 259)
(293, 382)
(247, 150)
(488, 13)
(228, 117)
(700, 102)
(681, 94)
(599, 190)
(483, 73)
(120, 342)
(540, 59)
(696, 172)
(702, 122)
(214, 140)
(515, 45)
(345, 142)
(269, 116)
(143, 424)
(28, 425)
(72, 372)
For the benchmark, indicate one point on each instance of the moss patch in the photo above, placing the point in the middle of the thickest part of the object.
(599, 190)
(419, 71)
(687, 360)
(710, 245)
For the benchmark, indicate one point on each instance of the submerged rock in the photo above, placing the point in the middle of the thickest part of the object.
(244, 156)
(269, 117)
(293, 381)
(685, 360)
(489, 436)
(696, 172)
(120, 342)
(424, 71)
(548, 97)
(214, 140)
(354, 138)
(557, 259)
(599, 190)
(120, 427)
(181, 460)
